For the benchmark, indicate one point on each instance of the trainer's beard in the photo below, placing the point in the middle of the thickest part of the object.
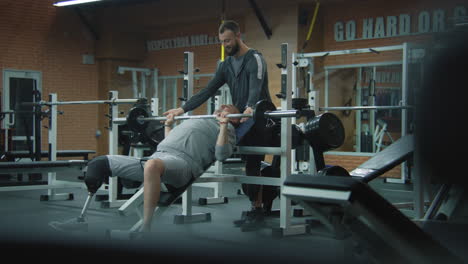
(233, 50)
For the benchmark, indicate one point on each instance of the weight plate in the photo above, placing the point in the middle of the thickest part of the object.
(325, 132)
(132, 119)
(259, 112)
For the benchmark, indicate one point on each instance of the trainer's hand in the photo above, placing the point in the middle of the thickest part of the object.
(175, 112)
(248, 110)
(170, 120)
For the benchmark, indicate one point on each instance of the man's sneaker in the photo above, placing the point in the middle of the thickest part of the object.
(74, 224)
(254, 221)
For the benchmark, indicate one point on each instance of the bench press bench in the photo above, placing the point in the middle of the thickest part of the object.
(398, 152)
(357, 210)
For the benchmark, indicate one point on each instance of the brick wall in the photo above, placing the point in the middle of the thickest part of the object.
(352, 162)
(34, 35)
(170, 61)
(341, 83)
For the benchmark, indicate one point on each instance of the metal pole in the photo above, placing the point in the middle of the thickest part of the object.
(110, 101)
(404, 87)
(272, 114)
(404, 118)
(52, 143)
(188, 76)
(358, 113)
(143, 84)
(350, 51)
(326, 88)
(286, 103)
(37, 126)
(341, 108)
(371, 102)
(419, 179)
(283, 113)
(135, 84)
(163, 118)
(187, 93)
(174, 94)
(155, 83)
(314, 105)
(113, 147)
(295, 94)
(164, 96)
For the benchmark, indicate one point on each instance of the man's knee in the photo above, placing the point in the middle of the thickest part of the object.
(155, 166)
(97, 173)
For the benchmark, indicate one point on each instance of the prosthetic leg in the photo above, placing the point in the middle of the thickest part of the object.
(97, 173)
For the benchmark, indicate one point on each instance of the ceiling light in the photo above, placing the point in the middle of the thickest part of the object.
(74, 2)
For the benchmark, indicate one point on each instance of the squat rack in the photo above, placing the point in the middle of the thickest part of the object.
(313, 94)
(52, 165)
(410, 52)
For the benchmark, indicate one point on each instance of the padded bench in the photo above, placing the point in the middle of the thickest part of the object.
(383, 161)
(369, 216)
(166, 198)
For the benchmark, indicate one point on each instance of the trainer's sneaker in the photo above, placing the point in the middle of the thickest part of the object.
(74, 224)
(239, 222)
(254, 221)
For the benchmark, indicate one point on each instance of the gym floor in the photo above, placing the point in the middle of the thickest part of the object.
(25, 224)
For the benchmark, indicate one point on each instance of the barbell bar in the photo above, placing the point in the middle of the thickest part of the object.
(111, 101)
(272, 114)
(378, 107)
(137, 117)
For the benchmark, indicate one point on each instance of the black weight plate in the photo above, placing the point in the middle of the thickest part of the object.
(325, 132)
(259, 112)
(132, 119)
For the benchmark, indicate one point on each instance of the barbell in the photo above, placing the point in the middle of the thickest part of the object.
(323, 132)
(138, 117)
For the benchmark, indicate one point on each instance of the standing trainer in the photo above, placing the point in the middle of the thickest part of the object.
(245, 72)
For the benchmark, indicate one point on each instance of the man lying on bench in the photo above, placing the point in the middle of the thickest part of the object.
(184, 155)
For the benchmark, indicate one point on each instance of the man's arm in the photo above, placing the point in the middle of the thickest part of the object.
(256, 74)
(223, 134)
(168, 124)
(223, 144)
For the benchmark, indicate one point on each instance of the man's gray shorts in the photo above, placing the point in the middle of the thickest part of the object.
(176, 170)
